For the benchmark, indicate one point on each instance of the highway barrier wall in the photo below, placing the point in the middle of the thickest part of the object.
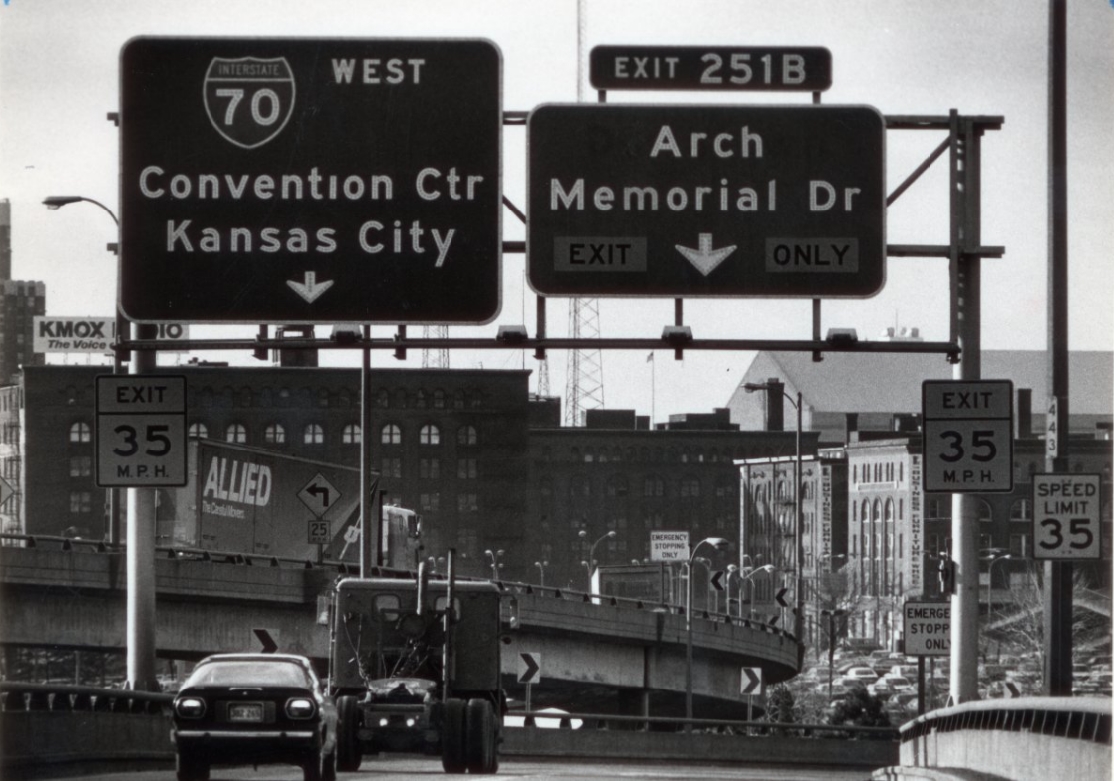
(1025, 739)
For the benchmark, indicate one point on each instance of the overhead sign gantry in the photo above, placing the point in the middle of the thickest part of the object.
(310, 180)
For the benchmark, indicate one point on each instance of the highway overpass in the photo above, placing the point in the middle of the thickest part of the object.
(597, 654)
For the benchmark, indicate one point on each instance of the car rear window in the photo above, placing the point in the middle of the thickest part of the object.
(249, 673)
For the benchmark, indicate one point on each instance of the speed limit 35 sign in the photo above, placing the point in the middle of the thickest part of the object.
(141, 430)
(1066, 516)
(968, 436)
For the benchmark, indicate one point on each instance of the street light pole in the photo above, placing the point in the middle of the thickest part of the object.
(592, 552)
(495, 556)
(541, 571)
(719, 543)
(990, 585)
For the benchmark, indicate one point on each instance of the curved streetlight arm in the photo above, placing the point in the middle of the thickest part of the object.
(54, 202)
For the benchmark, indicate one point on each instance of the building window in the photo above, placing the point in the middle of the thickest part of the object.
(653, 486)
(313, 434)
(351, 434)
(617, 486)
(199, 431)
(236, 434)
(429, 468)
(390, 434)
(274, 434)
(430, 435)
(458, 399)
(81, 501)
(323, 398)
(439, 399)
(392, 467)
(80, 432)
(430, 502)
(466, 436)
(467, 503)
(466, 468)
(382, 398)
(81, 466)
(1021, 511)
(1019, 545)
(690, 487)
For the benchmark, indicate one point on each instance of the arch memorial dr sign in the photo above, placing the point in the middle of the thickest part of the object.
(706, 200)
(310, 180)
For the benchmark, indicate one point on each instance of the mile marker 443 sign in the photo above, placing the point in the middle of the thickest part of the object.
(639, 200)
(303, 180)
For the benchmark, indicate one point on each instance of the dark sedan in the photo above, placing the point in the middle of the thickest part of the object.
(245, 709)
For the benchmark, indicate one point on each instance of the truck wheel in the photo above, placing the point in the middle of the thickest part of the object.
(349, 751)
(481, 749)
(191, 767)
(454, 750)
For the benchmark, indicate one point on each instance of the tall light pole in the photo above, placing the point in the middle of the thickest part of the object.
(990, 584)
(140, 556)
(54, 203)
(751, 387)
(720, 544)
(541, 565)
(592, 551)
(765, 568)
(494, 556)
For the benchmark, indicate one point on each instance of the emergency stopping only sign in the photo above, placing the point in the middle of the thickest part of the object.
(928, 627)
(310, 180)
(669, 546)
(713, 200)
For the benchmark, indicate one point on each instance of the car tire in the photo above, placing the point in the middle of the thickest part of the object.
(480, 737)
(349, 752)
(191, 767)
(454, 749)
(329, 771)
(313, 769)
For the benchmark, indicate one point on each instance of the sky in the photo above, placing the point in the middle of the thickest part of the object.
(59, 79)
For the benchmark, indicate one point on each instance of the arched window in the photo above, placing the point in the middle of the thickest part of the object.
(236, 433)
(889, 511)
(617, 486)
(420, 399)
(382, 398)
(199, 431)
(81, 432)
(274, 434)
(351, 434)
(466, 435)
(865, 512)
(429, 435)
(244, 397)
(458, 399)
(984, 511)
(653, 486)
(390, 434)
(313, 434)
(323, 397)
(439, 399)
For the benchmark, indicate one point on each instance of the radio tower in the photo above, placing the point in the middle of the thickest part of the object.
(584, 373)
(435, 358)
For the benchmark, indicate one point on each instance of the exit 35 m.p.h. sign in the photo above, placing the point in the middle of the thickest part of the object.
(709, 200)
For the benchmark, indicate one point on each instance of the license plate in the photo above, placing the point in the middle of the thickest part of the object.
(245, 711)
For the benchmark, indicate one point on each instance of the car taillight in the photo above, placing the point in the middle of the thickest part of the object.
(190, 707)
(300, 708)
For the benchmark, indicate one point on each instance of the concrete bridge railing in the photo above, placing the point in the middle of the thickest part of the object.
(1026, 739)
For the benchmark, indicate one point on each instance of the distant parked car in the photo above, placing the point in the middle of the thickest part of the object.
(254, 709)
(864, 674)
(899, 683)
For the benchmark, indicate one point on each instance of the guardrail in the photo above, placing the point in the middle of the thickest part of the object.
(1026, 738)
(81, 727)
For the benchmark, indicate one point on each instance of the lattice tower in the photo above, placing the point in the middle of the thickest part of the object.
(435, 358)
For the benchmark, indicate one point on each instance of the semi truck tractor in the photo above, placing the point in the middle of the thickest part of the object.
(249, 500)
(414, 666)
